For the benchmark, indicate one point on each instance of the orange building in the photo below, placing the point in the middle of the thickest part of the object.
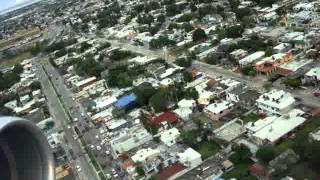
(270, 64)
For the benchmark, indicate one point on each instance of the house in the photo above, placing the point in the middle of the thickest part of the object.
(129, 139)
(167, 116)
(185, 108)
(275, 102)
(190, 158)
(282, 48)
(147, 154)
(83, 83)
(248, 60)
(312, 76)
(259, 171)
(292, 67)
(103, 102)
(217, 110)
(238, 54)
(243, 98)
(270, 64)
(272, 129)
(170, 136)
(126, 102)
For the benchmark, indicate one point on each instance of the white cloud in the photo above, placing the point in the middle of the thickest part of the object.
(20, 1)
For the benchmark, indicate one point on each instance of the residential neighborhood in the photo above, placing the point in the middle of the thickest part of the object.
(170, 89)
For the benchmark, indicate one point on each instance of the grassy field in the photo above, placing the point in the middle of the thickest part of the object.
(17, 59)
(239, 171)
(207, 149)
(252, 117)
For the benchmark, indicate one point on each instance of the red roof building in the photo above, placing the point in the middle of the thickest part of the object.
(168, 116)
(259, 171)
(166, 173)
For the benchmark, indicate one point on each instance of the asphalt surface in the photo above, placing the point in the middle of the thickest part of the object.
(58, 113)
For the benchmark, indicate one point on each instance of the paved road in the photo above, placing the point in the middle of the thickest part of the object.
(58, 113)
(84, 123)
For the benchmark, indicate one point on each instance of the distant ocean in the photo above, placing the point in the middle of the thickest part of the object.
(18, 6)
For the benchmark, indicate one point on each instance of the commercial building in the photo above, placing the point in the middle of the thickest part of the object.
(271, 129)
(129, 139)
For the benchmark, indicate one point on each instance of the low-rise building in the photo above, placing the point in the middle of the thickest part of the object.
(270, 64)
(271, 129)
(312, 76)
(147, 154)
(217, 110)
(251, 58)
(129, 139)
(190, 158)
(275, 102)
(170, 136)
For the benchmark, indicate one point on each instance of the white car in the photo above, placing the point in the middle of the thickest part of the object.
(69, 127)
(114, 171)
(98, 148)
(92, 146)
(108, 152)
(75, 119)
(78, 168)
(115, 175)
(109, 176)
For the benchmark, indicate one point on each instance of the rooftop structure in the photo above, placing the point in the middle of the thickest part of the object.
(126, 102)
(190, 158)
(252, 58)
(217, 110)
(277, 127)
(169, 137)
(275, 102)
(143, 155)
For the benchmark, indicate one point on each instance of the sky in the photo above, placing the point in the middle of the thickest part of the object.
(5, 4)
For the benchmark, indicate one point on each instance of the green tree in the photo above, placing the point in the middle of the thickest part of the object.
(124, 80)
(49, 125)
(18, 69)
(190, 137)
(269, 51)
(161, 19)
(249, 71)
(266, 153)
(293, 82)
(159, 102)
(187, 76)
(198, 35)
(234, 31)
(144, 92)
(242, 154)
(184, 62)
(35, 85)
(193, 93)
(139, 168)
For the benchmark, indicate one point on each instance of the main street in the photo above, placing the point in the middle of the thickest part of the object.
(78, 113)
(59, 113)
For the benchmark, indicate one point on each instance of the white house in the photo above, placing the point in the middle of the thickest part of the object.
(252, 58)
(217, 110)
(313, 75)
(272, 129)
(169, 137)
(190, 158)
(129, 139)
(143, 155)
(275, 102)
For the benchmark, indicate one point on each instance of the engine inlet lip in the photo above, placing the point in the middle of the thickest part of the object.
(46, 155)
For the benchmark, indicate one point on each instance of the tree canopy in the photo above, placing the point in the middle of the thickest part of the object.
(266, 153)
(198, 35)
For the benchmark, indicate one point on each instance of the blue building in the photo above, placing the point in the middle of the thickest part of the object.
(126, 102)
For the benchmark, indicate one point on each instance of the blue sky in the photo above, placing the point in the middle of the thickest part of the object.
(4, 4)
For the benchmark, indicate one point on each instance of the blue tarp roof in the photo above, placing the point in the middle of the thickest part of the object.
(125, 101)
